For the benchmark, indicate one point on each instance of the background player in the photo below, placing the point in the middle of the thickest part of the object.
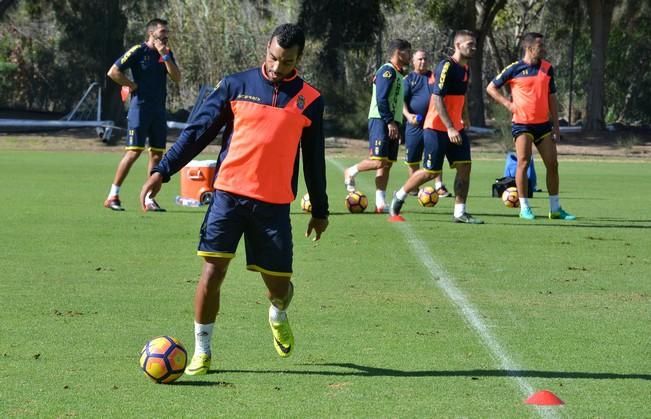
(267, 112)
(384, 119)
(444, 133)
(417, 97)
(150, 63)
(534, 101)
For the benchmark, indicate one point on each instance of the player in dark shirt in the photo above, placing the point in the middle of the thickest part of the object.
(445, 135)
(267, 113)
(535, 120)
(417, 97)
(150, 64)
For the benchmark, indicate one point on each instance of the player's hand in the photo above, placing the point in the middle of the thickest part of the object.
(319, 225)
(161, 46)
(510, 106)
(394, 132)
(150, 188)
(454, 136)
(556, 134)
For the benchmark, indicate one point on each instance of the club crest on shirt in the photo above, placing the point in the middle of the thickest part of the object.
(300, 102)
(387, 74)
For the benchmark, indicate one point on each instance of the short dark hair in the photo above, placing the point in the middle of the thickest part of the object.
(529, 38)
(398, 45)
(464, 32)
(289, 35)
(154, 23)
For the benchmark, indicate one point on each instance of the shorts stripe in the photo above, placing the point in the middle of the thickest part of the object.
(454, 165)
(415, 163)
(224, 255)
(160, 150)
(434, 172)
(133, 147)
(256, 268)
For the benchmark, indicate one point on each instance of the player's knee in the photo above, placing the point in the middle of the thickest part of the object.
(215, 268)
(132, 155)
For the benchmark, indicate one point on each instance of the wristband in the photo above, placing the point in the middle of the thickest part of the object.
(166, 57)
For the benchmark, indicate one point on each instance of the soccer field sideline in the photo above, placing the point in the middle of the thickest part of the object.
(470, 314)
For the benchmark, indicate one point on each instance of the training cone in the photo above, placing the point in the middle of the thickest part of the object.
(544, 398)
(396, 219)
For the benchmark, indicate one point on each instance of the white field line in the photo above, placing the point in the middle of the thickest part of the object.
(446, 283)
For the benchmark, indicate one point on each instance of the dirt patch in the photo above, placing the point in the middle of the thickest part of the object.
(607, 145)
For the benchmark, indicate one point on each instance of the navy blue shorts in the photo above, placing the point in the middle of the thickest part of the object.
(413, 144)
(438, 146)
(381, 147)
(146, 124)
(537, 132)
(266, 228)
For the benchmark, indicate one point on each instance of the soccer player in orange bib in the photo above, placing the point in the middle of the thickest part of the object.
(445, 135)
(535, 120)
(268, 113)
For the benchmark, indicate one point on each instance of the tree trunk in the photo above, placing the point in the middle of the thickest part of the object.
(601, 12)
(115, 24)
(476, 93)
(485, 15)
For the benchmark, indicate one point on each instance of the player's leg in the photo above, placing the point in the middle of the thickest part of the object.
(547, 149)
(413, 151)
(280, 291)
(155, 156)
(206, 307)
(381, 182)
(460, 159)
(433, 154)
(269, 250)
(124, 166)
(523, 141)
(137, 130)
(377, 132)
(440, 188)
(221, 231)
(157, 145)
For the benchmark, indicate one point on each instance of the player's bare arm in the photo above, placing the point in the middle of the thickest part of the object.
(118, 76)
(499, 97)
(553, 112)
(453, 134)
(164, 51)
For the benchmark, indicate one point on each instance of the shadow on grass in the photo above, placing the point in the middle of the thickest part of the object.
(543, 221)
(203, 383)
(367, 371)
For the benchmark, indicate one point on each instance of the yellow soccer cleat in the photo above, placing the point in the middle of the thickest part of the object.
(199, 365)
(283, 336)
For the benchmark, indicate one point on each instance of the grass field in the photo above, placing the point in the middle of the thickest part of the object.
(421, 319)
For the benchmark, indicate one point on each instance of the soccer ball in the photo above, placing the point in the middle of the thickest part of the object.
(427, 197)
(510, 197)
(163, 359)
(356, 202)
(306, 205)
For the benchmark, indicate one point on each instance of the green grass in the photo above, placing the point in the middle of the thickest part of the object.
(83, 289)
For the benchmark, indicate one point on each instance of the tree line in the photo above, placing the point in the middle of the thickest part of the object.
(50, 51)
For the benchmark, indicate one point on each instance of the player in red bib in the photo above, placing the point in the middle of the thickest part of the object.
(268, 114)
(534, 107)
(444, 130)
